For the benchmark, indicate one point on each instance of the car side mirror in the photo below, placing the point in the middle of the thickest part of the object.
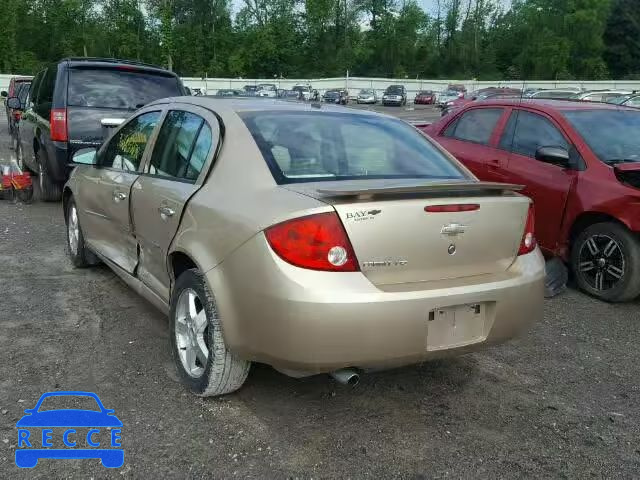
(14, 103)
(554, 155)
(85, 156)
(29, 411)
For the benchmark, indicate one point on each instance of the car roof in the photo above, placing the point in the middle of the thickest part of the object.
(102, 62)
(552, 104)
(249, 104)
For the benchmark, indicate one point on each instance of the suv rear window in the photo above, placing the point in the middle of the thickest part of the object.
(122, 89)
(323, 146)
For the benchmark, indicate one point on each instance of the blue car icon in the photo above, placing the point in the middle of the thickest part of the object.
(27, 456)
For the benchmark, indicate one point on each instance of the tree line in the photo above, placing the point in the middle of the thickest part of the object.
(483, 39)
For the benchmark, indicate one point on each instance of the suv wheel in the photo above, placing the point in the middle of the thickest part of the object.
(201, 356)
(604, 260)
(50, 191)
(79, 253)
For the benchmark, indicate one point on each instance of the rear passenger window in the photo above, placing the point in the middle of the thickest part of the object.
(527, 131)
(475, 125)
(200, 153)
(172, 153)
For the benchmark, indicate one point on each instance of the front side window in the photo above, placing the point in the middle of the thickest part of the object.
(323, 146)
(175, 142)
(526, 132)
(125, 149)
(611, 134)
(475, 125)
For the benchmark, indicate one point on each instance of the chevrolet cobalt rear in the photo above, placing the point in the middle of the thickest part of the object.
(316, 240)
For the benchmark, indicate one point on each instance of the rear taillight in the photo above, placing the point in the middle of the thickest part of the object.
(58, 121)
(528, 243)
(316, 242)
(17, 115)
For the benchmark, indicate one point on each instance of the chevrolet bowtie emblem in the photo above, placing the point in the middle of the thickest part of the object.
(453, 229)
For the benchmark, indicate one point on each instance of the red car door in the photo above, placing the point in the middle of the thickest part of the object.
(548, 185)
(468, 137)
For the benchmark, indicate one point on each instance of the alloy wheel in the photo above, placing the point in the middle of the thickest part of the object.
(191, 332)
(73, 229)
(601, 262)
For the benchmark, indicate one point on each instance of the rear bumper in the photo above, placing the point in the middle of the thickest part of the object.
(310, 321)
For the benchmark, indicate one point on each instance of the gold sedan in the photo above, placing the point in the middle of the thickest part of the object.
(311, 238)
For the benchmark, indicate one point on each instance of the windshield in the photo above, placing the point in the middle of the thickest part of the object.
(322, 146)
(366, 92)
(613, 135)
(122, 89)
(394, 90)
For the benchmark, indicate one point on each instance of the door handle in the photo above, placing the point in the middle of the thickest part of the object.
(119, 196)
(166, 212)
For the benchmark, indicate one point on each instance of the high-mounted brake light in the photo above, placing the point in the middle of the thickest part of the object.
(316, 242)
(528, 243)
(58, 121)
(454, 207)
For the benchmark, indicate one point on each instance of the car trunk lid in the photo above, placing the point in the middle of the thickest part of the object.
(416, 232)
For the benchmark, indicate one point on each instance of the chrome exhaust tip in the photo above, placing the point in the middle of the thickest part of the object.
(346, 376)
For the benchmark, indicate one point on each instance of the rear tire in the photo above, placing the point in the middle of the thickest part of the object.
(194, 324)
(50, 191)
(605, 259)
(79, 253)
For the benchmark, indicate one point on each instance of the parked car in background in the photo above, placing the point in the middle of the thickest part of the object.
(336, 96)
(448, 96)
(556, 93)
(425, 97)
(267, 90)
(580, 163)
(395, 95)
(367, 96)
(11, 91)
(599, 95)
(74, 104)
(21, 91)
(228, 92)
(250, 89)
(632, 100)
(479, 95)
(304, 92)
(345, 215)
(457, 87)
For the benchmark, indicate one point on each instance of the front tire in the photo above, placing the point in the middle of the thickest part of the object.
(79, 253)
(200, 353)
(605, 262)
(50, 191)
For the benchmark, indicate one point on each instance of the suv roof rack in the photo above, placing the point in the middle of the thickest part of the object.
(110, 60)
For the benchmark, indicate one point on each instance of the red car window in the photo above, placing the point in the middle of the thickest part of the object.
(526, 132)
(475, 125)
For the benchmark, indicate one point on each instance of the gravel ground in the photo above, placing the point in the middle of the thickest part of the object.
(559, 402)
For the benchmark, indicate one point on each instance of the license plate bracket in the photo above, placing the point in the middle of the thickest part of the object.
(456, 326)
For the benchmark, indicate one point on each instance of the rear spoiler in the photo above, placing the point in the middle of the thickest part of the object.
(467, 187)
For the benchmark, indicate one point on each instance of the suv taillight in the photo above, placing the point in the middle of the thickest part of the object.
(528, 243)
(316, 242)
(58, 121)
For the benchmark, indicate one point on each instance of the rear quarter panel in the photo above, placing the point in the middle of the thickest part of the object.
(238, 199)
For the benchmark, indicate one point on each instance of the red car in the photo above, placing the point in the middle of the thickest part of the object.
(425, 97)
(579, 162)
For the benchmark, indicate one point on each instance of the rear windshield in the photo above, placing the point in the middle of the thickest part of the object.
(107, 88)
(611, 134)
(323, 146)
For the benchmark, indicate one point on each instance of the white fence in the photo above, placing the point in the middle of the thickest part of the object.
(354, 84)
